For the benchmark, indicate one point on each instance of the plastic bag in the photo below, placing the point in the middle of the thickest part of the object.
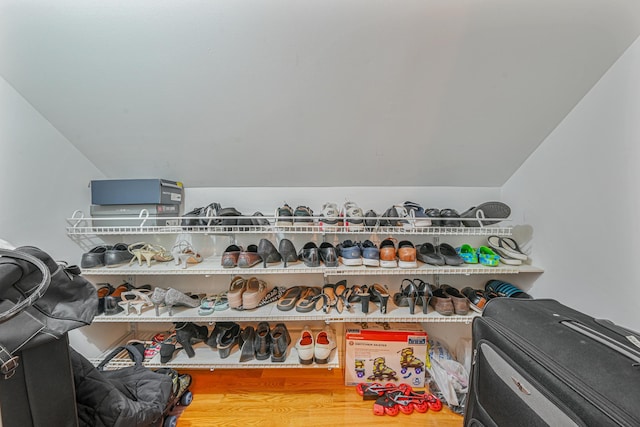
(449, 378)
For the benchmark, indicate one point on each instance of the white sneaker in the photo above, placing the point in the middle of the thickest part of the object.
(330, 215)
(354, 216)
(325, 344)
(304, 346)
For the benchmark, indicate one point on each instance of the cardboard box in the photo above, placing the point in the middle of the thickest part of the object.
(136, 192)
(128, 215)
(395, 355)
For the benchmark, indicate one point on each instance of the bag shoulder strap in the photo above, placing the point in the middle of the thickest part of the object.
(134, 355)
(38, 291)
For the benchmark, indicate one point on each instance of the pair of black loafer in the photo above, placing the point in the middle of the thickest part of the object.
(311, 254)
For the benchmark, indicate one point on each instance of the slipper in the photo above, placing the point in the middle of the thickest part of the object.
(487, 256)
(289, 299)
(449, 254)
(207, 305)
(494, 211)
(507, 247)
(468, 254)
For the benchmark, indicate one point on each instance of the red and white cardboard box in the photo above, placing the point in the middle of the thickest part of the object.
(393, 355)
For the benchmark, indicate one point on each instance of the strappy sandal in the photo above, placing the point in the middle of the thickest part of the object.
(289, 299)
(408, 295)
(185, 254)
(381, 296)
(307, 301)
(140, 300)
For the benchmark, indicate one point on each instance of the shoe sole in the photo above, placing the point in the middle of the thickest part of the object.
(371, 262)
(388, 264)
(407, 264)
(351, 261)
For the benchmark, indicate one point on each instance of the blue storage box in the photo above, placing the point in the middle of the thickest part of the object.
(136, 192)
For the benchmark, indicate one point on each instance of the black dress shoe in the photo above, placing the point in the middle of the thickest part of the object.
(268, 252)
(117, 255)
(280, 340)
(227, 339)
(287, 251)
(246, 342)
(220, 327)
(309, 255)
(328, 254)
(95, 257)
(262, 342)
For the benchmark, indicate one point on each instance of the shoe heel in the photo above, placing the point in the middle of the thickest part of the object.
(364, 299)
(383, 303)
(412, 304)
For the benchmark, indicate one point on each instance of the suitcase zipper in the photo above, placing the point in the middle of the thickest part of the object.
(604, 340)
(565, 376)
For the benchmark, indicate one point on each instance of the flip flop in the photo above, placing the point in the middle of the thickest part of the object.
(493, 211)
(507, 247)
(289, 299)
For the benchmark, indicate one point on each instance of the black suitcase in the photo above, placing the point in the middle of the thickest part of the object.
(540, 363)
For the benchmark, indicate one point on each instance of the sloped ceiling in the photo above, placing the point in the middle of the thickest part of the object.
(313, 92)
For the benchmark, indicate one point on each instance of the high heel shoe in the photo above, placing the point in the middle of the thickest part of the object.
(363, 295)
(287, 252)
(185, 254)
(236, 289)
(157, 298)
(136, 299)
(408, 295)
(143, 252)
(188, 333)
(176, 298)
(268, 252)
(380, 295)
(168, 347)
(425, 293)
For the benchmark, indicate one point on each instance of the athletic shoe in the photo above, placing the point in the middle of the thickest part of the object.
(370, 254)
(284, 216)
(407, 255)
(354, 217)
(371, 219)
(303, 214)
(350, 253)
(418, 215)
(388, 253)
(330, 215)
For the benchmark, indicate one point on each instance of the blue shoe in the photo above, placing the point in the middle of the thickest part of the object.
(370, 254)
(350, 253)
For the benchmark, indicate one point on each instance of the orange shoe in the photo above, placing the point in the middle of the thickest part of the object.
(407, 255)
(388, 255)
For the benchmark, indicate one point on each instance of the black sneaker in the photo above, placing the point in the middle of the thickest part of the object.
(303, 214)
(284, 215)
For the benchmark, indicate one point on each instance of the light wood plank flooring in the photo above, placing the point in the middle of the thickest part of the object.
(290, 397)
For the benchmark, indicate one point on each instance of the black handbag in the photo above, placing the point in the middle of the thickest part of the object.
(134, 396)
(40, 301)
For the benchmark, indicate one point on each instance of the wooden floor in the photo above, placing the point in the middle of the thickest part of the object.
(290, 397)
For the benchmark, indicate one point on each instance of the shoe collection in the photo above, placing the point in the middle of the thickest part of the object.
(259, 342)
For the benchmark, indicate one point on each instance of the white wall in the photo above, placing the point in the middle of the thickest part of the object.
(43, 179)
(579, 189)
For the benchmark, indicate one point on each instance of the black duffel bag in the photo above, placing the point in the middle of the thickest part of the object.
(40, 301)
(134, 396)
